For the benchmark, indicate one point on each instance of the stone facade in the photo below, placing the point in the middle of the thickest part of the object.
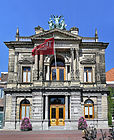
(3, 84)
(78, 54)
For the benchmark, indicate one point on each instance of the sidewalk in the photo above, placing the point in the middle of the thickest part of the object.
(44, 135)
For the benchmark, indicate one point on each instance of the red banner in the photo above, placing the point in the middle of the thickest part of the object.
(46, 48)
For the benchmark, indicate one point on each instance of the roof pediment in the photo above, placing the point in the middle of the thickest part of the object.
(57, 34)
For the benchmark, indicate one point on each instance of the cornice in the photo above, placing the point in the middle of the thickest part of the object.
(94, 44)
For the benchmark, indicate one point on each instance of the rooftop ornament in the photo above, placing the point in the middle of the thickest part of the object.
(57, 22)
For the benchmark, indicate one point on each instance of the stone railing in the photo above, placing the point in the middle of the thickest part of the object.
(56, 83)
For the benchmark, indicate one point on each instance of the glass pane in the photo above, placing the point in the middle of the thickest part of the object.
(27, 111)
(23, 112)
(53, 74)
(60, 113)
(28, 69)
(53, 113)
(87, 68)
(90, 110)
(1, 93)
(86, 110)
(28, 76)
(24, 69)
(1, 108)
(24, 76)
(89, 76)
(59, 62)
(61, 74)
(57, 100)
(88, 102)
(85, 77)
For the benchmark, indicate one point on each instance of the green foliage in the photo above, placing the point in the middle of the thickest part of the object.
(110, 105)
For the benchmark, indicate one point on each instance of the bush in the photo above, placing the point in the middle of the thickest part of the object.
(82, 124)
(26, 125)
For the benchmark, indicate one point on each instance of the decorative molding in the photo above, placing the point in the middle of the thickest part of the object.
(88, 61)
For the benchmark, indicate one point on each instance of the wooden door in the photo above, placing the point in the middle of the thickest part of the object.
(57, 115)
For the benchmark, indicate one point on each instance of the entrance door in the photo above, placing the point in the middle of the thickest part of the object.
(57, 115)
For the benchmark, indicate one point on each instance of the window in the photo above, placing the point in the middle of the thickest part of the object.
(58, 73)
(1, 93)
(26, 74)
(1, 109)
(24, 109)
(88, 74)
(89, 109)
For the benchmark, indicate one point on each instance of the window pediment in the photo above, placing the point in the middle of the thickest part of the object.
(88, 61)
(25, 61)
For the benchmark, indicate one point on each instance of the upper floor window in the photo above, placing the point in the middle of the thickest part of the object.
(1, 93)
(58, 73)
(26, 74)
(88, 74)
(89, 109)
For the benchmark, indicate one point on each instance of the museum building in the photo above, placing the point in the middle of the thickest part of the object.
(56, 95)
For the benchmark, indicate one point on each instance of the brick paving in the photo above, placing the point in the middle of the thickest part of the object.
(44, 135)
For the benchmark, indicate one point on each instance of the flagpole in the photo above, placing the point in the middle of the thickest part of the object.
(55, 58)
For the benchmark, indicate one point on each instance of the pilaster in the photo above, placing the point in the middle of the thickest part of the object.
(72, 64)
(41, 68)
(66, 107)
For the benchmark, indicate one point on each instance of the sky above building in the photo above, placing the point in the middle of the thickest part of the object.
(84, 14)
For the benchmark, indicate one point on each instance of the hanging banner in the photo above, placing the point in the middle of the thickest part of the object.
(46, 48)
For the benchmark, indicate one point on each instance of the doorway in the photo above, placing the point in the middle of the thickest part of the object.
(57, 115)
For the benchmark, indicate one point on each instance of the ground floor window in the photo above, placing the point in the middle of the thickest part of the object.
(24, 109)
(89, 109)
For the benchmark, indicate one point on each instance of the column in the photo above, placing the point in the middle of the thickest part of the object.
(66, 107)
(36, 68)
(48, 73)
(36, 62)
(15, 68)
(13, 112)
(72, 62)
(66, 77)
(41, 68)
(77, 65)
(46, 107)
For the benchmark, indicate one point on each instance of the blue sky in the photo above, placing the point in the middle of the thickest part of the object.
(84, 14)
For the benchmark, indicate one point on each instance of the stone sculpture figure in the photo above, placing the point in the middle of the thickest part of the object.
(57, 20)
(62, 24)
(50, 22)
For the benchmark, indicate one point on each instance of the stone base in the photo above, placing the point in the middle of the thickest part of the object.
(69, 125)
(9, 126)
(99, 124)
(37, 126)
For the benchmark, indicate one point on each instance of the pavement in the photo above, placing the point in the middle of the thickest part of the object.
(45, 135)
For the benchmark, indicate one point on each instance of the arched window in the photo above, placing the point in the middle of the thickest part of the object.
(89, 109)
(58, 73)
(24, 109)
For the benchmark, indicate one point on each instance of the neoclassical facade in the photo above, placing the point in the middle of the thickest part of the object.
(56, 97)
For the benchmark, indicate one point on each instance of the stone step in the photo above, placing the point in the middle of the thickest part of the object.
(56, 128)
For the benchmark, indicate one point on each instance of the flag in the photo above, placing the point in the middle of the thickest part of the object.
(46, 48)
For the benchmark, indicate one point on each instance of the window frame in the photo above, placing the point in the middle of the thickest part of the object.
(89, 105)
(26, 105)
(57, 73)
(26, 74)
(87, 75)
